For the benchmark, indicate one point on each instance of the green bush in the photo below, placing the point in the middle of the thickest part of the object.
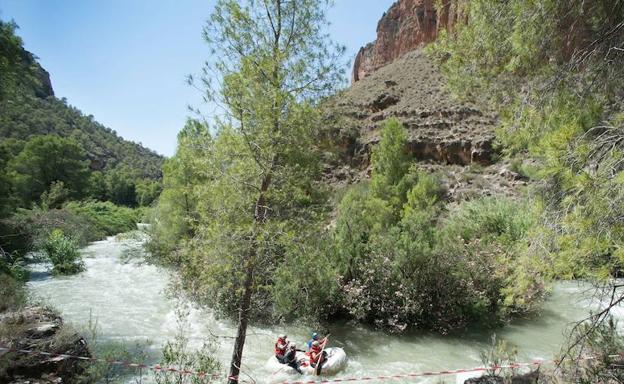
(28, 229)
(106, 218)
(403, 261)
(64, 253)
(490, 218)
(12, 292)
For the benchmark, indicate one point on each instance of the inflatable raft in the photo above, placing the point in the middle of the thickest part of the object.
(335, 362)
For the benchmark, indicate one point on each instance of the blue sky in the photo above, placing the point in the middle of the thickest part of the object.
(125, 61)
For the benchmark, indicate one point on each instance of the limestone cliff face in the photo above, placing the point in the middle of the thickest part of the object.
(407, 25)
(43, 87)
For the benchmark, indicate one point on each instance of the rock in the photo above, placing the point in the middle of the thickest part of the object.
(527, 378)
(509, 174)
(39, 329)
(390, 83)
(44, 330)
(383, 101)
(407, 25)
(485, 380)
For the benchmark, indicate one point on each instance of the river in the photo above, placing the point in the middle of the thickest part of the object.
(127, 297)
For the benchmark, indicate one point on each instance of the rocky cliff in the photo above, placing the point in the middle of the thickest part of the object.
(445, 135)
(411, 89)
(407, 25)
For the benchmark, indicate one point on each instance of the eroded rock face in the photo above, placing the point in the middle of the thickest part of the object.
(407, 25)
(39, 329)
(411, 89)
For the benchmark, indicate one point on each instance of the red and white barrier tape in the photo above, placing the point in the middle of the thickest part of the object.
(128, 364)
(416, 374)
(158, 368)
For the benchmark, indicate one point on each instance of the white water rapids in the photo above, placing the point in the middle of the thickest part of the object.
(126, 296)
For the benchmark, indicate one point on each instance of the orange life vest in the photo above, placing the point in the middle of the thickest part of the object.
(315, 353)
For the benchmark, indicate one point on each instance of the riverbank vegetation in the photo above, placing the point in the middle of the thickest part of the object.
(557, 80)
(394, 254)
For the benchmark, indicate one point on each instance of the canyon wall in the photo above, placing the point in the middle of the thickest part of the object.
(407, 25)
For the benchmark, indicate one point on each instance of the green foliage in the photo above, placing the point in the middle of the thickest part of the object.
(18, 68)
(64, 254)
(48, 159)
(177, 353)
(49, 150)
(490, 219)
(404, 262)
(26, 116)
(55, 196)
(147, 191)
(13, 275)
(120, 187)
(9, 149)
(236, 203)
(557, 81)
(507, 45)
(306, 282)
(499, 353)
(175, 216)
(105, 217)
(28, 230)
(361, 220)
(600, 341)
(390, 161)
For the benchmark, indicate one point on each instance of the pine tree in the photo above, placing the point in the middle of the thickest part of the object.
(271, 62)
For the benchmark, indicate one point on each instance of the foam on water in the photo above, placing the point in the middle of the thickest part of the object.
(127, 297)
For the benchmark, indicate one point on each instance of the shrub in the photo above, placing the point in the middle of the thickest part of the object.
(408, 267)
(64, 254)
(490, 218)
(107, 218)
(178, 353)
(12, 292)
(28, 229)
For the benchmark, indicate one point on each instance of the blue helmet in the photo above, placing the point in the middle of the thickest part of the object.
(314, 336)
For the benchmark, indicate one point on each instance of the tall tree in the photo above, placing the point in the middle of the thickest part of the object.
(271, 61)
(48, 159)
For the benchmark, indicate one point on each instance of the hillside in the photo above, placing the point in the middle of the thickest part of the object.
(27, 115)
(28, 107)
(447, 136)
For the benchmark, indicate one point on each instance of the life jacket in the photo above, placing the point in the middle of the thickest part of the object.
(315, 353)
(280, 347)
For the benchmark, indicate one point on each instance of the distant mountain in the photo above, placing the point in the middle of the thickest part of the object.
(29, 108)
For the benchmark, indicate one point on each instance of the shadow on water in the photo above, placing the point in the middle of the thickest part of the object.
(39, 275)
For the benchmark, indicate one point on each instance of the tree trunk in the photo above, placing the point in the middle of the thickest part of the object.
(260, 216)
(243, 320)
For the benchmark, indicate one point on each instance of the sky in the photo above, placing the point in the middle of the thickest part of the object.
(125, 61)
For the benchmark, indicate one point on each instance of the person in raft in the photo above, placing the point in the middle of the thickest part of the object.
(291, 357)
(315, 337)
(280, 348)
(316, 357)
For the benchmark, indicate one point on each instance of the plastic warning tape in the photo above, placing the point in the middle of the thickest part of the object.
(123, 363)
(158, 368)
(415, 374)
